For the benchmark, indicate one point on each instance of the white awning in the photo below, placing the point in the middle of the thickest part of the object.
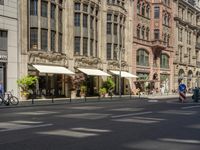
(53, 69)
(124, 74)
(93, 72)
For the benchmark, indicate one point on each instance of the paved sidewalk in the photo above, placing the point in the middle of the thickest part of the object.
(61, 101)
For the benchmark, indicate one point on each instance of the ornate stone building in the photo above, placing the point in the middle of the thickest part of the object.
(186, 43)
(152, 45)
(78, 36)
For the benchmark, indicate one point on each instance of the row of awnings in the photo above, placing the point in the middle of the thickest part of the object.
(90, 72)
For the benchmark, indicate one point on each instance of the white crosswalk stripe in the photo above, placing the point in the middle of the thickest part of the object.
(143, 120)
(78, 132)
(178, 112)
(20, 125)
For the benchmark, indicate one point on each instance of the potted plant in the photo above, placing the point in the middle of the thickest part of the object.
(109, 85)
(102, 92)
(26, 83)
(83, 91)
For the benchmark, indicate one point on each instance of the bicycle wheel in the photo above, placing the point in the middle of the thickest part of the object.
(14, 100)
(1, 100)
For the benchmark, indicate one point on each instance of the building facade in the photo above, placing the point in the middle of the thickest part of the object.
(186, 43)
(9, 57)
(78, 35)
(152, 46)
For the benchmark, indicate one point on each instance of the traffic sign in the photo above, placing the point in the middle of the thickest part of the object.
(182, 87)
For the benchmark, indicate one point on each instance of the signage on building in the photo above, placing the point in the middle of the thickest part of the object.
(3, 57)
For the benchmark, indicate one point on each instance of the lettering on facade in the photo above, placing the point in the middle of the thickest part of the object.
(3, 57)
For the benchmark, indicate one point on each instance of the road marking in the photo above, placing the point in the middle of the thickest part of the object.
(86, 116)
(190, 107)
(86, 107)
(127, 109)
(90, 130)
(188, 141)
(178, 112)
(68, 133)
(152, 101)
(37, 113)
(132, 114)
(14, 127)
(145, 120)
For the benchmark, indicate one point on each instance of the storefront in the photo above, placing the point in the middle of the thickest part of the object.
(165, 83)
(125, 83)
(51, 80)
(143, 83)
(3, 71)
(93, 80)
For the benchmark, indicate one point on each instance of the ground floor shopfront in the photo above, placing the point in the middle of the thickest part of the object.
(187, 75)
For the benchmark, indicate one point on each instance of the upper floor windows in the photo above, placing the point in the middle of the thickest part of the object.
(44, 9)
(116, 2)
(3, 40)
(166, 2)
(143, 8)
(34, 7)
(142, 57)
(156, 12)
(142, 32)
(164, 61)
(1, 2)
(156, 34)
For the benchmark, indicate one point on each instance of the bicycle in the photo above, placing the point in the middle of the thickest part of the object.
(8, 98)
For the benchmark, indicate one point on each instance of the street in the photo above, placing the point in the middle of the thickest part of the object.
(112, 125)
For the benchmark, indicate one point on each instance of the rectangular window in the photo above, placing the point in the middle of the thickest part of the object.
(156, 34)
(85, 7)
(53, 38)
(3, 40)
(109, 28)
(77, 19)
(156, 12)
(44, 9)
(85, 19)
(77, 6)
(1, 2)
(60, 19)
(91, 47)
(85, 46)
(109, 49)
(53, 10)
(60, 43)
(109, 17)
(91, 22)
(115, 29)
(44, 39)
(33, 38)
(77, 44)
(34, 7)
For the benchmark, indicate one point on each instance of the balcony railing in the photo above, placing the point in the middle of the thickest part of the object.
(159, 43)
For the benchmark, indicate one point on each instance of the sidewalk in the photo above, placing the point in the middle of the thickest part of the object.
(61, 101)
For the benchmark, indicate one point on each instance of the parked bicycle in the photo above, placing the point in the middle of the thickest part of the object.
(8, 98)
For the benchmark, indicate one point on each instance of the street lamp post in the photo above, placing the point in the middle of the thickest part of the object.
(120, 71)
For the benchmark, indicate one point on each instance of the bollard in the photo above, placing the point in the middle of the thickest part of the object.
(52, 99)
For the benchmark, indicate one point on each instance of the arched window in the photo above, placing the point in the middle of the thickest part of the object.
(138, 7)
(143, 32)
(142, 57)
(138, 31)
(164, 61)
(143, 9)
(147, 34)
(147, 11)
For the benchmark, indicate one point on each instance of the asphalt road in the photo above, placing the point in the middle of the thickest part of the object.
(116, 125)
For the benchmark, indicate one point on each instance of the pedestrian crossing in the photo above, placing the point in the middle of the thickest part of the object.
(80, 132)
(20, 125)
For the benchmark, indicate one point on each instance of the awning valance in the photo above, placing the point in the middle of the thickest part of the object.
(124, 74)
(93, 72)
(53, 69)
